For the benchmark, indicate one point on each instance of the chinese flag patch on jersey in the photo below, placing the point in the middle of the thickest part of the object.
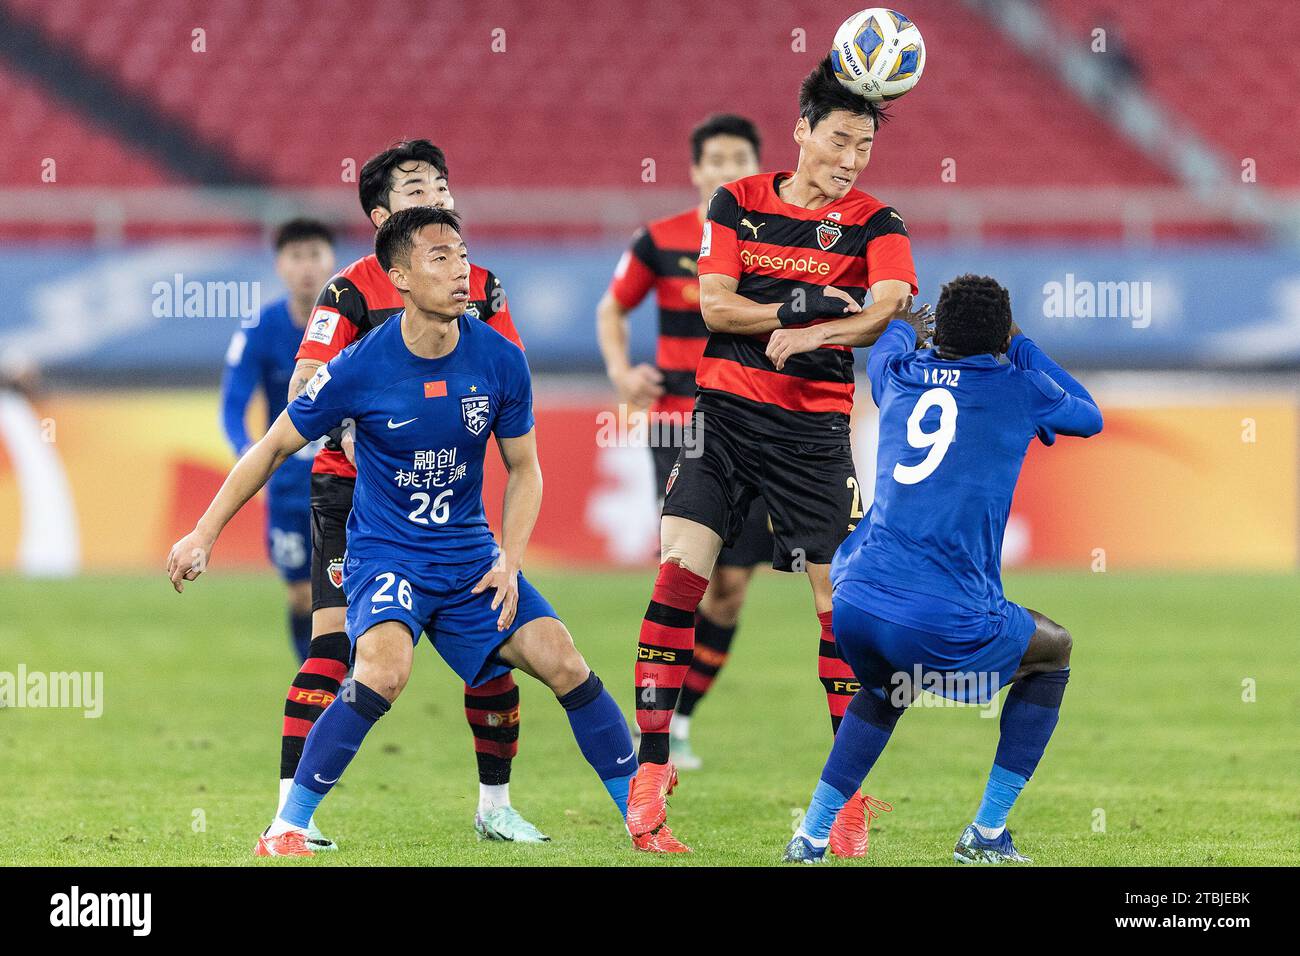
(435, 389)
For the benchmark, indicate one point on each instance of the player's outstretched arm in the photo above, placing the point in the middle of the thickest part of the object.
(523, 501)
(726, 310)
(1061, 405)
(190, 555)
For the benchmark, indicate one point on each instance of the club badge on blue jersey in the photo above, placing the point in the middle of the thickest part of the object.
(474, 409)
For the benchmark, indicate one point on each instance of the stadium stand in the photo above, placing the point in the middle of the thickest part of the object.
(35, 126)
(1173, 43)
(389, 73)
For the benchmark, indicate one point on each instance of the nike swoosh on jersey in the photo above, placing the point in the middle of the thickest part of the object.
(392, 424)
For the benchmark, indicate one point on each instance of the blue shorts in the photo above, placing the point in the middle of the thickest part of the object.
(288, 535)
(971, 668)
(436, 600)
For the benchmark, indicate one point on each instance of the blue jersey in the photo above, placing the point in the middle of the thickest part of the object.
(422, 429)
(953, 436)
(263, 356)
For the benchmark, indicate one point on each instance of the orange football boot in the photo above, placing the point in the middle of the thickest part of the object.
(647, 797)
(660, 840)
(289, 843)
(851, 832)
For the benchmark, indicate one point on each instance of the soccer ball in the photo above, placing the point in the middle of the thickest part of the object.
(878, 54)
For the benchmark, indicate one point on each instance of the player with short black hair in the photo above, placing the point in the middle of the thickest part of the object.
(261, 357)
(821, 94)
(662, 257)
(786, 261)
(955, 424)
(426, 394)
(410, 173)
(405, 167)
(302, 230)
(973, 317)
(394, 240)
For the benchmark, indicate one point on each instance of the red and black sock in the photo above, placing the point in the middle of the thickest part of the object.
(664, 655)
(492, 710)
(836, 675)
(313, 689)
(712, 644)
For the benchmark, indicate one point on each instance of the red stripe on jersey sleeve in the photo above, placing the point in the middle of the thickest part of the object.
(328, 333)
(719, 251)
(786, 391)
(632, 282)
(890, 257)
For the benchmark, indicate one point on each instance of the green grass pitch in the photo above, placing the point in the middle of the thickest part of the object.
(1158, 759)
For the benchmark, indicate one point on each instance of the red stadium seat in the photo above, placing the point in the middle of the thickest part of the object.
(583, 94)
(1249, 47)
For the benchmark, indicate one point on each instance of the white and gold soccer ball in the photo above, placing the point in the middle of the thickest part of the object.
(878, 53)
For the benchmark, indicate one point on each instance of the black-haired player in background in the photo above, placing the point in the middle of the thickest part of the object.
(361, 297)
(663, 257)
(786, 260)
(261, 356)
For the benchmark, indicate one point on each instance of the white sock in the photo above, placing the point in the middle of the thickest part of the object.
(989, 833)
(281, 825)
(680, 727)
(492, 797)
(819, 844)
(286, 784)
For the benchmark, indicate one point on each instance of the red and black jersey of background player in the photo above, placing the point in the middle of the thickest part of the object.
(662, 257)
(773, 248)
(360, 298)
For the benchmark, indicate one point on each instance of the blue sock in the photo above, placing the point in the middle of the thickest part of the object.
(1029, 716)
(862, 736)
(602, 736)
(331, 745)
(300, 634)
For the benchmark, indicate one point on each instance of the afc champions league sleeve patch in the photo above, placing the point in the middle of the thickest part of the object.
(317, 382)
(321, 326)
(474, 411)
(706, 238)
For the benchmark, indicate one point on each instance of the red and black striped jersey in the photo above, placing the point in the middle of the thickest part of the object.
(773, 248)
(362, 297)
(662, 257)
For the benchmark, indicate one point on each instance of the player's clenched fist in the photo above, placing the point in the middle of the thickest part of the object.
(506, 583)
(188, 559)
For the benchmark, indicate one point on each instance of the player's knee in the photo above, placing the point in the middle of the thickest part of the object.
(568, 668)
(1065, 644)
(1059, 643)
(387, 681)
